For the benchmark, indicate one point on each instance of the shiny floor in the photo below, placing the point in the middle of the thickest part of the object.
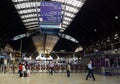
(57, 78)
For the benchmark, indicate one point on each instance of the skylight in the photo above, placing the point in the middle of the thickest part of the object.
(68, 37)
(27, 5)
(31, 23)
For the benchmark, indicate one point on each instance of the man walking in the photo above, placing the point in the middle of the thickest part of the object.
(51, 67)
(68, 70)
(90, 71)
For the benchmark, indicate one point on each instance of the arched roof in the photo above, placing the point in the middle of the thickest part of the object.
(91, 23)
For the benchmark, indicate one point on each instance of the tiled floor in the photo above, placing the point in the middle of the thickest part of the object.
(57, 78)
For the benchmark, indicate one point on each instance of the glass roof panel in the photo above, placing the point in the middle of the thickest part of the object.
(32, 26)
(27, 20)
(28, 11)
(28, 16)
(66, 18)
(68, 8)
(77, 3)
(72, 10)
(68, 37)
(69, 14)
(18, 0)
(64, 25)
(31, 23)
(65, 22)
(27, 5)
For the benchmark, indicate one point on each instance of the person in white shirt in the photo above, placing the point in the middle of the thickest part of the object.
(51, 67)
(23, 70)
(90, 71)
(68, 70)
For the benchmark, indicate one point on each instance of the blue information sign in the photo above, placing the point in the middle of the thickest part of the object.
(50, 13)
(50, 17)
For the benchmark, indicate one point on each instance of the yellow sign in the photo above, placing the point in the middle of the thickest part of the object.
(18, 54)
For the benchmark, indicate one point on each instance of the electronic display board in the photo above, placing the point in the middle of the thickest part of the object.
(50, 16)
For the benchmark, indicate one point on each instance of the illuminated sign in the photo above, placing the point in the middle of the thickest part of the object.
(50, 17)
(50, 13)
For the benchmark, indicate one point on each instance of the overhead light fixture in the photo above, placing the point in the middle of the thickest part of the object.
(95, 30)
(116, 17)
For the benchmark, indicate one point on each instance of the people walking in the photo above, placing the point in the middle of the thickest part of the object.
(51, 67)
(24, 70)
(27, 66)
(68, 70)
(21, 70)
(90, 71)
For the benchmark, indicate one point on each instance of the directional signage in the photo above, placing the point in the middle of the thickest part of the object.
(50, 13)
(50, 17)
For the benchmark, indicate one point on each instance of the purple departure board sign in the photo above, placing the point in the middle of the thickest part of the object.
(50, 13)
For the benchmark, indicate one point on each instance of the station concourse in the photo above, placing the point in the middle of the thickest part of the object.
(57, 78)
(59, 41)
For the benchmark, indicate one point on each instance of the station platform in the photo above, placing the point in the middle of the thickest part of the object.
(57, 78)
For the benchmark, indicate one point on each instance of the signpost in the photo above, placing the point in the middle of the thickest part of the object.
(50, 16)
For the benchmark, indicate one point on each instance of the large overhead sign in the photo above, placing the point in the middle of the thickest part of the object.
(50, 15)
